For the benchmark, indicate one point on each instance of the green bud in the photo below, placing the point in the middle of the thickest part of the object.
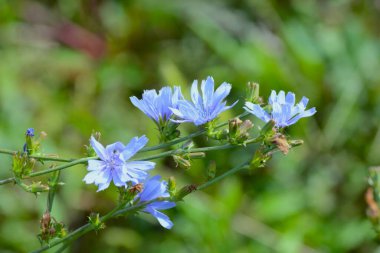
(37, 187)
(295, 143)
(233, 126)
(172, 186)
(253, 93)
(94, 220)
(260, 159)
(185, 191)
(196, 155)
(22, 165)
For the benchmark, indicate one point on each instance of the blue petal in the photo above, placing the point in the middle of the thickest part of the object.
(207, 88)
(162, 205)
(105, 185)
(134, 146)
(163, 219)
(140, 165)
(257, 111)
(197, 100)
(221, 93)
(116, 179)
(99, 149)
(91, 177)
(290, 98)
(272, 98)
(304, 114)
(95, 165)
(281, 97)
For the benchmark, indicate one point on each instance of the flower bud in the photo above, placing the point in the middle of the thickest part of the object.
(172, 186)
(233, 126)
(185, 191)
(37, 187)
(196, 155)
(94, 220)
(22, 165)
(253, 93)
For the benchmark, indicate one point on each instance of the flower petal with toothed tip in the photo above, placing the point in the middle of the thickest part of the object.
(162, 218)
(134, 146)
(99, 149)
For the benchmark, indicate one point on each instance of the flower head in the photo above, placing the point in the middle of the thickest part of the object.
(153, 189)
(114, 164)
(29, 132)
(205, 107)
(284, 111)
(156, 106)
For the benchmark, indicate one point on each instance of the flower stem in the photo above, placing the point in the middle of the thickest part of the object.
(38, 157)
(42, 172)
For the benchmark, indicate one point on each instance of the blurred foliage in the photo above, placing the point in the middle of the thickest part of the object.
(69, 67)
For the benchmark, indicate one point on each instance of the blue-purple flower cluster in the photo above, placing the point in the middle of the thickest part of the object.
(169, 106)
(203, 108)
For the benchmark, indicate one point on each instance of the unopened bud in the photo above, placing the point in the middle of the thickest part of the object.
(196, 155)
(295, 143)
(172, 186)
(253, 93)
(95, 221)
(37, 187)
(233, 126)
(185, 191)
(45, 220)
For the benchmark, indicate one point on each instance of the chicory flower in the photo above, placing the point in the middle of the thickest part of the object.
(114, 164)
(204, 107)
(283, 109)
(155, 188)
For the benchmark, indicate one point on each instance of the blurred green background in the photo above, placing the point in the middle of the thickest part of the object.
(69, 67)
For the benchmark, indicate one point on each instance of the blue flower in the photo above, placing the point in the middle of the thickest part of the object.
(156, 106)
(283, 109)
(114, 164)
(206, 107)
(29, 132)
(153, 189)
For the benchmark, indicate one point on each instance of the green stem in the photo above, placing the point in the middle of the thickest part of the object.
(38, 157)
(42, 172)
(232, 171)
